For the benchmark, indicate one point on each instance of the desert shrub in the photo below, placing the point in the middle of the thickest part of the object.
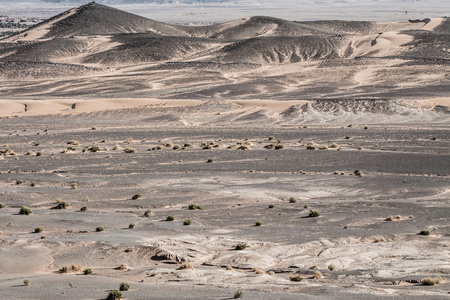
(70, 269)
(306, 205)
(37, 144)
(229, 268)
(124, 286)
(424, 232)
(258, 271)
(347, 137)
(131, 226)
(293, 200)
(38, 230)
(396, 218)
(19, 181)
(94, 149)
(2, 205)
(24, 210)
(358, 173)
(30, 152)
(431, 281)
(114, 295)
(75, 143)
(62, 205)
(84, 208)
(313, 213)
(271, 138)
(258, 223)
(270, 146)
(240, 246)
(38, 154)
(122, 267)
(271, 273)
(210, 160)
(207, 147)
(271, 206)
(74, 185)
(187, 145)
(147, 213)
(71, 148)
(331, 267)
(130, 150)
(318, 275)
(186, 266)
(170, 218)
(137, 196)
(194, 206)
(169, 145)
(365, 127)
(99, 229)
(33, 184)
(297, 278)
(26, 282)
(87, 272)
(187, 222)
(238, 294)
(176, 147)
(279, 147)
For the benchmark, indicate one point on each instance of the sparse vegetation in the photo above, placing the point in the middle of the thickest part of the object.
(84, 208)
(396, 218)
(424, 232)
(432, 281)
(240, 246)
(271, 206)
(170, 218)
(62, 205)
(26, 282)
(124, 286)
(131, 226)
(74, 185)
(136, 196)
(122, 267)
(71, 269)
(99, 229)
(130, 150)
(186, 266)
(194, 206)
(24, 210)
(318, 275)
(187, 222)
(210, 160)
(2, 205)
(297, 278)
(87, 271)
(19, 181)
(147, 213)
(33, 184)
(313, 214)
(292, 200)
(114, 295)
(306, 205)
(258, 223)
(331, 267)
(38, 230)
(238, 294)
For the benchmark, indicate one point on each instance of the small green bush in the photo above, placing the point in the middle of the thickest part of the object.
(293, 200)
(130, 150)
(38, 230)
(313, 214)
(306, 205)
(62, 205)
(24, 210)
(137, 196)
(26, 282)
(258, 223)
(424, 232)
(194, 206)
(114, 295)
(71, 148)
(94, 149)
(124, 286)
(84, 208)
(170, 218)
(210, 160)
(147, 213)
(432, 281)
(238, 294)
(38, 154)
(19, 181)
(297, 278)
(131, 226)
(271, 138)
(187, 222)
(279, 147)
(331, 267)
(176, 147)
(33, 184)
(271, 206)
(99, 229)
(87, 272)
(240, 246)
(2, 205)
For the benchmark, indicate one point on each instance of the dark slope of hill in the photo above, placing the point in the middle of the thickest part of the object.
(136, 48)
(343, 27)
(97, 19)
(282, 49)
(41, 70)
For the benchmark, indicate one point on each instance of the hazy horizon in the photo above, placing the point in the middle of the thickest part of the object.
(211, 11)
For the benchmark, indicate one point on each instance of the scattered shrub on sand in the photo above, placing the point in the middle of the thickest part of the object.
(258, 271)
(270, 146)
(38, 230)
(99, 229)
(187, 145)
(26, 282)
(74, 185)
(87, 271)
(331, 267)
(318, 275)
(131, 226)
(185, 266)
(424, 232)
(124, 286)
(38, 154)
(19, 181)
(75, 143)
(306, 205)
(33, 184)
(210, 160)
(114, 295)
(30, 152)
(258, 223)
(70, 149)
(94, 149)
(240, 246)
(169, 145)
(24, 210)
(194, 206)
(279, 147)
(297, 278)
(432, 281)
(122, 267)
(2, 205)
(396, 218)
(71, 269)
(365, 127)
(313, 213)
(347, 137)
(271, 273)
(358, 173)
(334, 145)
(170, 218)
(84, 208)
(238, 294)
(136, 196)
(292, 200)
(147, 213)
(229, 268)
(130, 150)
(176, 147)
(271, 206)
(62, 205)
(187, 222)
(117, 147)
(37, 144)
(271, 138)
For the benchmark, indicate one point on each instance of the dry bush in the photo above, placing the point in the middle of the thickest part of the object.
(122, 267)
(331, 267)
(186, 266)
(271, 273)
(130, 150)
(318, 275)
(71, 269)
(396, 218)
(334, 145)
(229, 268)
(297, 278)
(258, 271)
(432, 281)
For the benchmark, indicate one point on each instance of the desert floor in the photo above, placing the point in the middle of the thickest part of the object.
(376, 165)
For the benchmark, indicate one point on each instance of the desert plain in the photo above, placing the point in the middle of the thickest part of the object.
(151, 153)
